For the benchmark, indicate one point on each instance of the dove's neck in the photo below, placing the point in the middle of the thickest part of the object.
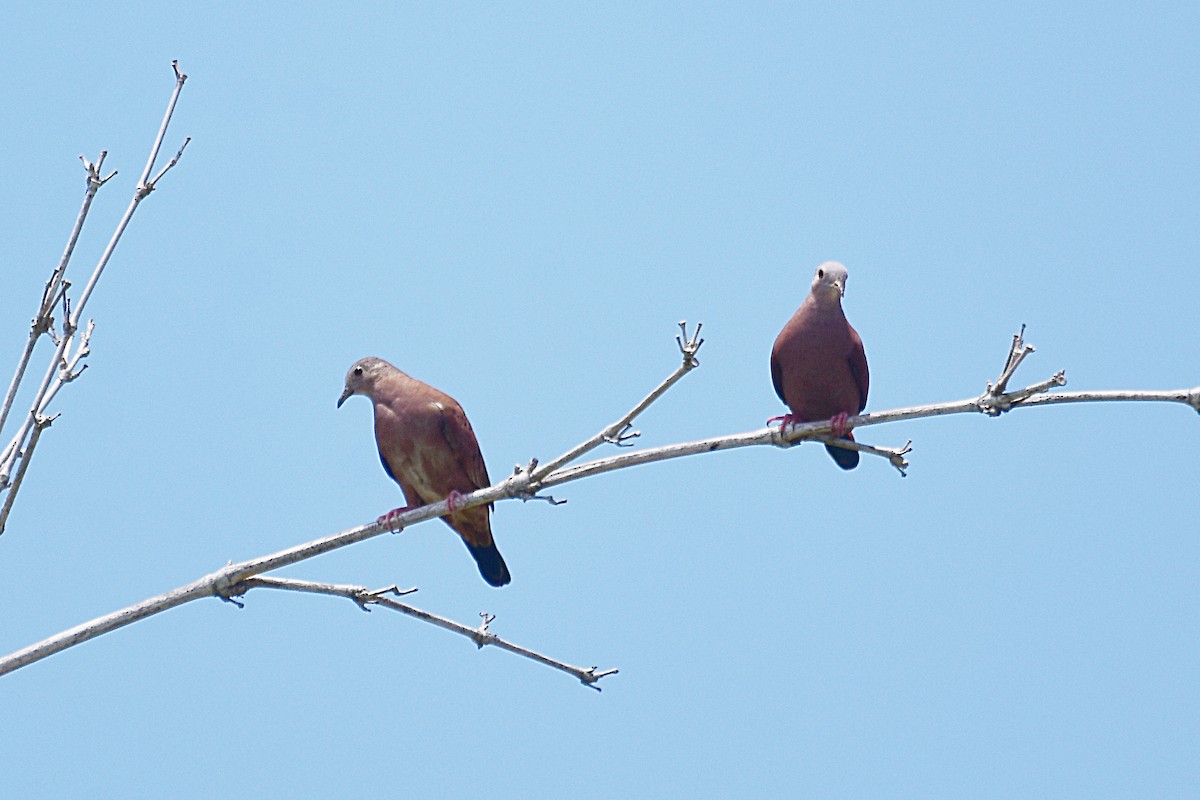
(824, 303)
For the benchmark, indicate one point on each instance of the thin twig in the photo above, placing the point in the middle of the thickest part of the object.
(143, 189)
(71, 324)
(11, 496)
(69, 369)
(992, 401)
(894, 455)
(54, 291)
(145, 186)
(619, 432)
(481, 636)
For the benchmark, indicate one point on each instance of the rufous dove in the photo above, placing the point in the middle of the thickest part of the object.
(818, 364)
(428, 447)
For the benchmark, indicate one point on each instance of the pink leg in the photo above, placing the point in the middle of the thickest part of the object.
(838, 423)
(453, 499)
(786, 421)
(389, 519)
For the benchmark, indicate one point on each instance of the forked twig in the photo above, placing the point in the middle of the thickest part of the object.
(53, 293)
(995, 400)
(364, 598)
(621, 431)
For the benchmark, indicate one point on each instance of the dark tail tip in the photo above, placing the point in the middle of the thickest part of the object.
(491, 563)
(846, 459)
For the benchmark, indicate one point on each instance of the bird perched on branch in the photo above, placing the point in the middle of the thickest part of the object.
(818, 364)
(428, 447)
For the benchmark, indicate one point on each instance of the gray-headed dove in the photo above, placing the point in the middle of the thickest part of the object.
(818, 364)
(427, 446)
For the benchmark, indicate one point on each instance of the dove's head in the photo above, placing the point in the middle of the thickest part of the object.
(829, 283)
(363, 376)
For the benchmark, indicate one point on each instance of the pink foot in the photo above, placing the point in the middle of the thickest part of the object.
(785, 421)
(453, 499)
(389, 519)
(838, 423)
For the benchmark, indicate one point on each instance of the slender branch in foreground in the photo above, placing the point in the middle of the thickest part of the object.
(364, 598)
(63, 365)
(11, 496)
(522, 484)
(621, 431)
(145, 185)
(223, 582)
(1017, 353)
(52, 294)
(143, 190)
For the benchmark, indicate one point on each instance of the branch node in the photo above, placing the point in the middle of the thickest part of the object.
(69, 376)
(898, 460)
(995, 403)
(1017, 353)
(69, 327)
(482, 636)
(621, 437)
(1193, 399)
(393, 590)
(56, 290)
(522, 485)
(93, 171)
(689, 345)
(996, 399)
(365, 597)
(154, 182)
(227, 591)
(224, 587)
(549, 498)
(589, 676)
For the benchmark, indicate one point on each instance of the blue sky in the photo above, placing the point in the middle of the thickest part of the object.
(517, 204)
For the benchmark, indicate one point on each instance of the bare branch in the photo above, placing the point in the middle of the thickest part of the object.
(224, 582)
(996, 400)
(1016, 354)
(62, 366)
(481, 636)
(620, 431)
(993, 402)
(145, 185)
(522, 473)
(106, 624)
(10, 498)
(53, 292)
(69, 369)
(894, 455)
(154, 183)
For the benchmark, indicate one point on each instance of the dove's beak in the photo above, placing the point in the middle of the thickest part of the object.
(345, 393)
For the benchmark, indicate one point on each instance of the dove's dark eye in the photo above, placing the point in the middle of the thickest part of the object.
(358, 370)
(820, 273)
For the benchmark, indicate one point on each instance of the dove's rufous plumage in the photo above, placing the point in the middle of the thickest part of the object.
(818, 364)
(428, 447)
